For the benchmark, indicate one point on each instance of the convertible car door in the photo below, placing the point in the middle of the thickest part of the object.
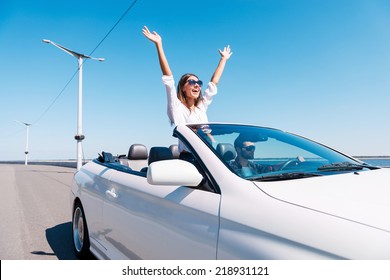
(144, 221)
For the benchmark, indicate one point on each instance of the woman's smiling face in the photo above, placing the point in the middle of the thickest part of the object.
(192, 89)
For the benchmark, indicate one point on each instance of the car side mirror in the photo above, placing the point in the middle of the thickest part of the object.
(174, 172)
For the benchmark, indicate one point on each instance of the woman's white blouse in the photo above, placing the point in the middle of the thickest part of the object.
(178, 113)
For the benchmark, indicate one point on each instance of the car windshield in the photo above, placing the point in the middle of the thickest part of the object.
(259, 153)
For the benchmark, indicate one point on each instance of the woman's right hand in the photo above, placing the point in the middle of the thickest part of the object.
(154, 37)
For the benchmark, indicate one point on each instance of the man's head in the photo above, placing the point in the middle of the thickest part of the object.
(244, 147)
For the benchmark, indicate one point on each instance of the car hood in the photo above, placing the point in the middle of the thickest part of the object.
(363, 197)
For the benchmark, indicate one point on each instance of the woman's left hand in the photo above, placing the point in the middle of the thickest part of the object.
(226, 53)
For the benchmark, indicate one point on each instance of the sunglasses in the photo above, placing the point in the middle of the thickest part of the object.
(193, 82)
(249, 148)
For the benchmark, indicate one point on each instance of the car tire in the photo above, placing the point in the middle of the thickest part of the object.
(80, 234)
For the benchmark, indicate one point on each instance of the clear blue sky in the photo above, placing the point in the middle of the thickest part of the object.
(316, 68)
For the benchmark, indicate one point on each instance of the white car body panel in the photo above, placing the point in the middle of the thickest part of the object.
(332, 195)
(310, 218)
(93, 179)
(269, 228)
(141, 210)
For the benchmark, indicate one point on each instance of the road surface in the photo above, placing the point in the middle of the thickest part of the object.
(35, 212)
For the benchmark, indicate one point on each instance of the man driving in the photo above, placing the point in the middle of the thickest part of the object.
(243, 164)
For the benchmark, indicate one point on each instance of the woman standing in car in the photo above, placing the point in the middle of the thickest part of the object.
(187, 104)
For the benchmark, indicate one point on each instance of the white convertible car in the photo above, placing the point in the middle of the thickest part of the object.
(238, 192)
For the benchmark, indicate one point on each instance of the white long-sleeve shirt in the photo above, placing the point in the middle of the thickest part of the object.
(178, 113)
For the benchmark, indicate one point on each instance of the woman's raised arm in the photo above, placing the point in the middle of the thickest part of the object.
(155, 38)
(225, 55)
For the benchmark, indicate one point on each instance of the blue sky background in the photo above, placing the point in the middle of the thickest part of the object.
(316, 68)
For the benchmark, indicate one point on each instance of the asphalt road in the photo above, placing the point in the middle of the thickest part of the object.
(35, 214)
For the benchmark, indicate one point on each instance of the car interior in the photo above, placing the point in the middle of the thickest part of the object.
(139, 158)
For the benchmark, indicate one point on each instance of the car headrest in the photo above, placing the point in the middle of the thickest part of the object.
(137, 151)
(159, 153)
(175, 150)
(226, 151)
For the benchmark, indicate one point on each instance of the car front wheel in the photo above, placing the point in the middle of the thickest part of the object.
(80, 232)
